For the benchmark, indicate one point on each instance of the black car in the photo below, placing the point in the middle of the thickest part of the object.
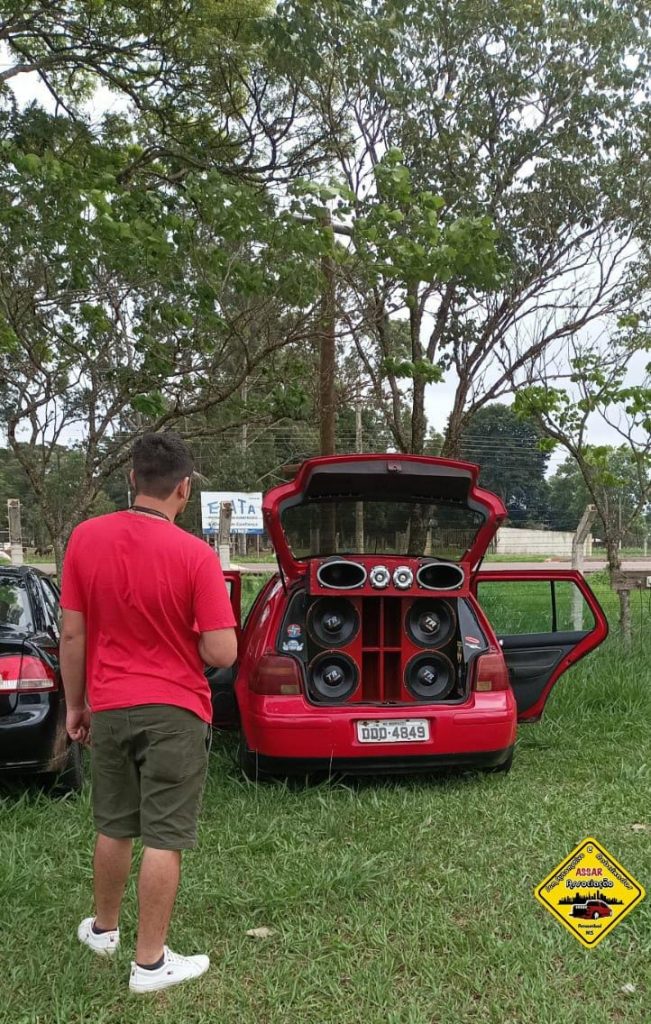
(33, 737)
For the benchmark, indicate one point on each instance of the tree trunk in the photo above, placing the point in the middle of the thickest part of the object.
(58, 548)
(451, 448)
(418, 420)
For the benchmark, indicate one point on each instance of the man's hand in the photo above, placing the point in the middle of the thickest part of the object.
(78, 724)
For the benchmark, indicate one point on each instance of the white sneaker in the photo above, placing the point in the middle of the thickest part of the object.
(175, 969)
(104, 944)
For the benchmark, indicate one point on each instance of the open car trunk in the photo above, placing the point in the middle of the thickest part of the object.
(381, 504)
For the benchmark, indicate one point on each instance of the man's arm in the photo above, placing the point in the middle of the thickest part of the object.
(73, 670)
(218, 647)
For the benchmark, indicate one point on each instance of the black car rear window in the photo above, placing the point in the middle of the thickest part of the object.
(339, 526)
(15, 608)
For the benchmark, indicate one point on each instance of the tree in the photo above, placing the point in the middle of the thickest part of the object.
(601, 385)
(147, 271)
(569, 495)
(512, 129)
(512, 464)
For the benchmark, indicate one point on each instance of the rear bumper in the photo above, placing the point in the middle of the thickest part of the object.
(398, 765)
(289, 729)
(33, 737)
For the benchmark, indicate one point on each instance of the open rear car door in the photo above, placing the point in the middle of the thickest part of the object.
(222, 680)
(545, 622)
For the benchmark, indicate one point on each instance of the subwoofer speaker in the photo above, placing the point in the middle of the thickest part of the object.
(430, 676)
(332, 621)
(431, 622)
(332, 676)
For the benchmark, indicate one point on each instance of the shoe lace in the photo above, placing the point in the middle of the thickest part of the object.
(174, 958)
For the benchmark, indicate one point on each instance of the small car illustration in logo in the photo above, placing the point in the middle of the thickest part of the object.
(592, 909)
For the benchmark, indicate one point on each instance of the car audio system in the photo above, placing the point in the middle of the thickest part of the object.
(385, 632)
(392, 575)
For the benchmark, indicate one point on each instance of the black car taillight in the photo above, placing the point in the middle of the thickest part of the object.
(25, 674)
(275, 675)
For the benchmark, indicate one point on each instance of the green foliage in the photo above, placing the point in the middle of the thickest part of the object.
(493, 150)
(511, 461)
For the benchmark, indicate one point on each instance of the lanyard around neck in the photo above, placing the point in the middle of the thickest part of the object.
(150, 512)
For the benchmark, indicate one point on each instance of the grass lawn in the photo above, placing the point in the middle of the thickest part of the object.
(392, 902)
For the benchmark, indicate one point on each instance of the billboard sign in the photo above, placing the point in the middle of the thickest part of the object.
(247, 511)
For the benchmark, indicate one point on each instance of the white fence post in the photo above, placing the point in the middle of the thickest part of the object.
(15, 531)
(578, 551)
(224, 534)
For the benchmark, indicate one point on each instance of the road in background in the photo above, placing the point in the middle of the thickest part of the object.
(591, 565)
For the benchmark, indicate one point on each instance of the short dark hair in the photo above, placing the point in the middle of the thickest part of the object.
(160, 462)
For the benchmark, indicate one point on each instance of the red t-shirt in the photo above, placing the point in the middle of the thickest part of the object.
(147, 589)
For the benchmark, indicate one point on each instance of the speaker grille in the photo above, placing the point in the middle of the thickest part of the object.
(332, 676)
(430, 676)
(431, 622)
(332, 622)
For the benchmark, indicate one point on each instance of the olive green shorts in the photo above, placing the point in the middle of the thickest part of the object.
(149, 767)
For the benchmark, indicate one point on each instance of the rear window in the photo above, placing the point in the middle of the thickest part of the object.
(15, 609)
(443, 529)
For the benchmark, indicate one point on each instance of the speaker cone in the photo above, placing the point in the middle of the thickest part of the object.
(431, 623)
(332, 676)
(430, 676)
(332, 621)
(341, 575)
(440, 576)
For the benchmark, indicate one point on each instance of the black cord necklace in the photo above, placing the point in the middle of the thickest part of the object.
(150, 512)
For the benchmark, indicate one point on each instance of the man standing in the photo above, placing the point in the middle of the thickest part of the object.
(145, 607)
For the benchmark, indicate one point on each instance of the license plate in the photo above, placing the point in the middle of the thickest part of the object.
(393, 730)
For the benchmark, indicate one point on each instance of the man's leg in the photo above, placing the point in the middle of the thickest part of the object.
(158, 881)
(111, 867)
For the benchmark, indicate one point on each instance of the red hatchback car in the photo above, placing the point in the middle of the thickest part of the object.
(371, 649)
(592, 908)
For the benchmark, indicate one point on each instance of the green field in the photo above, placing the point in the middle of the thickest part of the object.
(392, 902)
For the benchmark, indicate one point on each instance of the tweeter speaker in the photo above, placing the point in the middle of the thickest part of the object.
(430, 676)
(332, 621)
(332, 676)
(431, 622)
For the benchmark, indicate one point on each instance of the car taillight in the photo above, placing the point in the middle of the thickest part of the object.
(276, 675)
(25, 674)
(491, 673)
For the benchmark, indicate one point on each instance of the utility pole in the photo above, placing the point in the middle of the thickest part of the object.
(359, 505)
(327, 368)
(327, 357)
